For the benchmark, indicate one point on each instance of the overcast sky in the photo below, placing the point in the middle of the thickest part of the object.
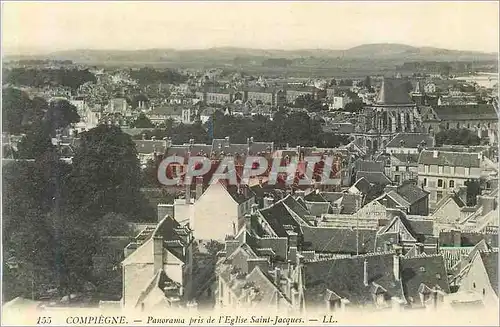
(53, 26)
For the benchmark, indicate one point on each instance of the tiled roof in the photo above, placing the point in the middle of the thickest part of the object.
(296, 207)
(277, 216)
(374, 177)
(490, 261)
(398, 199)
(457, 159)
(362, 185)
(466, 112)
(314, 197)
(239, 194)
(407, 159)
(150, 146)
(339, 240)
(347, 200)
(411, 140)
(394, 91)
(429, 270)
(345, 277)
(411, 193)
(369, 165)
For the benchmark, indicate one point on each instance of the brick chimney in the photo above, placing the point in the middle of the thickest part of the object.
(231, 246)
(277, 276)
(157, 253)
(396, 266)
(164, 210)
(262, 263)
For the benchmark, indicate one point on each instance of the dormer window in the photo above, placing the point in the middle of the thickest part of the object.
(422, 269)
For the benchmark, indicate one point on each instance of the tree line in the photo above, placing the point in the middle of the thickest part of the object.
(56, 214)
(37, 77)
(292, 128)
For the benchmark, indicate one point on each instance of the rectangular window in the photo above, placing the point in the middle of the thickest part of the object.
(440, 183)
(397, 168)
(426, 168)
(467, 171)
(452, 184)
(440, 169)
(397, 178)
(425, 181)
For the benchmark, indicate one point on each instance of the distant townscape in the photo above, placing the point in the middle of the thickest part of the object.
(410, 222)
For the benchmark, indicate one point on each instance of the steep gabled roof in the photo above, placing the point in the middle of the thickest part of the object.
(277, 216)
(448, 158)
(490, 261)
(428, 270)
(466, 112)
(411, 140)
(345, 277)
(411, 192)
(395, 91)
(338, 240)
(374, 177)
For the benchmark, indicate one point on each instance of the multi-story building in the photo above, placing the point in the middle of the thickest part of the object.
(481, 119)
(442, 172)
(157, 269)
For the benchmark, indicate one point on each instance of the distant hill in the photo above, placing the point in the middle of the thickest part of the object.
(229, 55)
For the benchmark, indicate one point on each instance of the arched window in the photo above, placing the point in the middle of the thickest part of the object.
(452, 183)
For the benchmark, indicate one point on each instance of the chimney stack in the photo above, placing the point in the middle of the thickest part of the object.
(396, 267)
(268, 201)
(254, 208)
(365, 272)
(435, 153)
(277, 276)
(231, 246)
(157, 253)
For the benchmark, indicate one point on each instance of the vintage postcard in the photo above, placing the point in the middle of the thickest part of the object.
(250, 163)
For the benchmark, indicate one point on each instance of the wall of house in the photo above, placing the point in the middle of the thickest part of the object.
(154, 300)
(477, 280)
(404, 172)
(429, 176)
(173, 267)
(421, 207)
(136, 277)
(215, 213)
(449, 212)
(401, 150)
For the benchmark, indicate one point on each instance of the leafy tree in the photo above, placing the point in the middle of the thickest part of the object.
(37, 77)
(473, 190)
(106, 174)
(353, 107)
(60, 114)
(15, 104)
(36, 142)
(461, 136)
(213, 247)
(142, 121)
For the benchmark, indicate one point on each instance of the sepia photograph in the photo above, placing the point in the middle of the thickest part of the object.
(253, 163)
